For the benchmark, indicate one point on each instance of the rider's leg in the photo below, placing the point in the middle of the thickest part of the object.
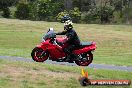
(68, 51)
(70, 55)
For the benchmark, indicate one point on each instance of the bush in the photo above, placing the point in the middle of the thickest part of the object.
(60, 15)
(34, 11)
(106, 14)
(43, 9)
(46, 10)
(117, 17)
(103, 14)
(92, 16)
(127, 15)
(75, 14)
(23, 11)
(6, 12)
(57, 8)
(12, 11)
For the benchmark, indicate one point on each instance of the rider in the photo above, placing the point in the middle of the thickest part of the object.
(72, 39)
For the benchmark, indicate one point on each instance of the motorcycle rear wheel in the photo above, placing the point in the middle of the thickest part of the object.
(86, 62)
(38, 56)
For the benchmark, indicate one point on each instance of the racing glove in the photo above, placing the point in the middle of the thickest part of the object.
(60, 43)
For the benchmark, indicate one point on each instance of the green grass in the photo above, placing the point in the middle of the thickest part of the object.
(114, 42)
(39, 75)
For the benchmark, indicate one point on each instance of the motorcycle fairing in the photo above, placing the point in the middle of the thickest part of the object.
(86, 48)
(56, 52)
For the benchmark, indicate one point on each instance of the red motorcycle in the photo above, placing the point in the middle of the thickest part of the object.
(50, 49)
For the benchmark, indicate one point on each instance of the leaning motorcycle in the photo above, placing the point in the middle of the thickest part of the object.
(50, 49)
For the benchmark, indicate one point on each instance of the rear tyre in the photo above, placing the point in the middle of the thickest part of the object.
(39, 55)
(89, 59)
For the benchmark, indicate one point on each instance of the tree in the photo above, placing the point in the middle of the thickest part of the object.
(127, 9)
(75, 15)
(46, 9)
(23, 11)
(7, 3)
(4, 6)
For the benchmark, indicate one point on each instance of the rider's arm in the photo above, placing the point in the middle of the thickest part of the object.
(69, 38)
(61, 33)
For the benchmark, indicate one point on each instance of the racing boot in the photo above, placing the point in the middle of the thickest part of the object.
(72, 57)
(69, 59)
(76, 57)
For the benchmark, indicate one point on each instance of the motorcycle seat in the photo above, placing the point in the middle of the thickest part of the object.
(86, 43)
(83, 44)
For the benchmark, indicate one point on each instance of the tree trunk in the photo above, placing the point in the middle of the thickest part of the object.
(68, 4)
(127, 12)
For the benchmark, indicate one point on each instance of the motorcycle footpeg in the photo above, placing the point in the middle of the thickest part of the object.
(70, 61)
(59, 60)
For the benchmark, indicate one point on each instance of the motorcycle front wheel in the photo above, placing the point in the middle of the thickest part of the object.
(39, 55)
(89, 59)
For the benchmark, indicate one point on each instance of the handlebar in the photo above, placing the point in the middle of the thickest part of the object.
(56, 43)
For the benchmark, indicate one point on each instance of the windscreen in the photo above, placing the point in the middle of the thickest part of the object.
(49, 34)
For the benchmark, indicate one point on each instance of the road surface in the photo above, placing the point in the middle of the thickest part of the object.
(96, 66)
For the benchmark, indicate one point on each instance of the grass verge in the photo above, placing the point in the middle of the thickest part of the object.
(39, 75)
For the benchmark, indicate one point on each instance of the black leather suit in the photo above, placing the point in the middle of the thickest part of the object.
(73, 41)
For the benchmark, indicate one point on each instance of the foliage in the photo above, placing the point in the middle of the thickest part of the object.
(46, 9)
(75, 14)
(127, 15)
(7, 3)
(88, 11)
(117, 17)
(33, 11)
(4, 6)
(6, 12)
(76, 3)
(23, 11)
(43, 9)
(92, 16)
(60, 15)
(106, 13)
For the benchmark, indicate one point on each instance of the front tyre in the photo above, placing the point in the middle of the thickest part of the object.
(88, 60)
(39, 55)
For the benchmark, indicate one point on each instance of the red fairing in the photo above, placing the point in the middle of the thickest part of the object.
(54, 50)
(44, 45)
(86, 48)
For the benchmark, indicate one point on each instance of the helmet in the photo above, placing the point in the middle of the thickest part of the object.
(68, 25)
(65, 18)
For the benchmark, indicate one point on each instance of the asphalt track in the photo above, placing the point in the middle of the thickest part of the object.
(96, 66)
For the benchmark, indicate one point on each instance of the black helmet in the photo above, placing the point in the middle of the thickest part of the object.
(65, 18)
